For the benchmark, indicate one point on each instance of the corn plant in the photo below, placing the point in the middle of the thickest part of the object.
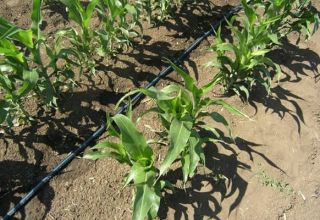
(290, 16)
(158, 10)
(184, 108)
(22, 69)
(243, 63)
(132, 149)
(82, 40)
(119, 22)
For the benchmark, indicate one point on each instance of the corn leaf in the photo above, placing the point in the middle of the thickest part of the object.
(147, 198)
(8, 31)
(132, 140)
(75, 9)
(30, 79)
(4, 106)
(179, 134)
(250, 13)
(89, 11)
(36, 18)
(227, 106)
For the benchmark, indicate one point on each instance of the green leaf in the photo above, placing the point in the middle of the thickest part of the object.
(4, 107)
(224, 47)
(106, 144)
(245, 90)
(135, 173)
(274, 38)
(159, 95)
(5, 83)
(211, 129)
(259, 52)
(278, 72)
(217, 117)
(132, 140)
(108, 149)
(36, 18)
(147, 198)
(89, 11)
(179, 134)
(192, 157)
(8, 49)
(208, 87)
(30, 80)
(95, 155)
(76, 11)
(185, 161)
(131, 9)
(8, 30)
(189, 82)
(227, 106)
(196, 153)
(250, 13)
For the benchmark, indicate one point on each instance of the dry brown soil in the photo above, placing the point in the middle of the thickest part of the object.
(279, 146)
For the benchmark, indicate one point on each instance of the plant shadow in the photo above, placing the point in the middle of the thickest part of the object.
(299, 61)
(281, 102)
(296, 64)
(203, 196)
(16, 179)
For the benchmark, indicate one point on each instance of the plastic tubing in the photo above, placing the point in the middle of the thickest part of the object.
(72, 155)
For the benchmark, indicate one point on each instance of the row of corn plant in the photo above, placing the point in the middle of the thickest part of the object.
(182, 111)
(244, 62)
(115, 29)
(25, 72)
(30, 65)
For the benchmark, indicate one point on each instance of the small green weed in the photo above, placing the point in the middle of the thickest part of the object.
(268, 181)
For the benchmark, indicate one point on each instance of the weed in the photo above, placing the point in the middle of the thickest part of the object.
(268, 181)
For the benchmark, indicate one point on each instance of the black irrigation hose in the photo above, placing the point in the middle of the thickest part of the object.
(72, 155)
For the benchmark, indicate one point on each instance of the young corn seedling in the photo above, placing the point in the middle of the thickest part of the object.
(132, 149)
(290, 16)
(243, 63)
(181, 111)
(158, 10)
(22, 69)
(248, 64)
(119, 20)
(83, 40)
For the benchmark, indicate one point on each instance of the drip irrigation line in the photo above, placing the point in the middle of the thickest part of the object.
(73, 154)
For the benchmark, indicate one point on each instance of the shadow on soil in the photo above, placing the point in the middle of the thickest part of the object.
(147, 58)
(299, 62)
(203, 196)
(281, 102)
(49, 130)
(82, 113)
(17, 178)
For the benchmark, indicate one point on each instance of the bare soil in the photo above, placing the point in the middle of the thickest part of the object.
(271, 172)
